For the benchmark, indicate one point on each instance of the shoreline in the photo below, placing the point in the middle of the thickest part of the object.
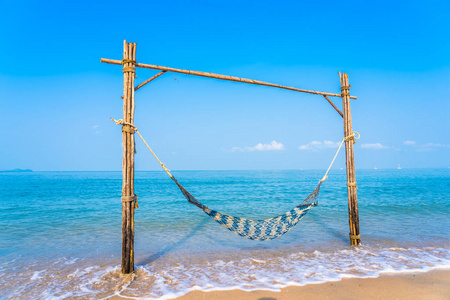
(434, 284)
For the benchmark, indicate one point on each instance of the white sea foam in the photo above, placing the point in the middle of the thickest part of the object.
(278, 272)
(254, 270)
(35, 275)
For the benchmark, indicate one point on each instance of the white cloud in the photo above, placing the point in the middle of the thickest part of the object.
(96, 131)
(425, 147)
(317, 145)
(376, 146)
(260, 147)
(435, 145)
(431, 146)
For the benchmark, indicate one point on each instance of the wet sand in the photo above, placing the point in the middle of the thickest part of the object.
(430, 285)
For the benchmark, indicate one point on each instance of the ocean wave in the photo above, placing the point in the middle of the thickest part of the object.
(171, 277)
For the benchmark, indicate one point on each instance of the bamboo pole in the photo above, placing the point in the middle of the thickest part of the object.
(148, 80)
(223, 77)
(350, 163)
(128, 200)
(334, 106)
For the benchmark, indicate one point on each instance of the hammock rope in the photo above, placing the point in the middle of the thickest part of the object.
(261, 230)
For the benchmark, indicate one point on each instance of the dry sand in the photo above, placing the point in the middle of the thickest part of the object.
(430, 285)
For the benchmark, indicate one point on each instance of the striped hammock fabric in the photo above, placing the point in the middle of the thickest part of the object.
(259, 230)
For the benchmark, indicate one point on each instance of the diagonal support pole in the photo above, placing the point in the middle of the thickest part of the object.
(148, 80)
(334, 106)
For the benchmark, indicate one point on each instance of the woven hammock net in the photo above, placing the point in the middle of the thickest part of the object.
(259, 230)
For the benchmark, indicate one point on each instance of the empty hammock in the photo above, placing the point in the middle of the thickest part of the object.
(259, 230)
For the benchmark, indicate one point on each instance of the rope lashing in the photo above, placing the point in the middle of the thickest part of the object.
(347, 138)
(352, 184)
(126, 61)
(345, 90)
(131, 199)
(354, 236)
(128, 198)
(129, 69)
(123, 123)
(128, 128)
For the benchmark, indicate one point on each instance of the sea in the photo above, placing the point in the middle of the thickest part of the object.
(60, 232)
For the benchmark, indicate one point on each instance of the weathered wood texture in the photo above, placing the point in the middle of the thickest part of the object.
(350, 162)
(222, 77)
(129, 53)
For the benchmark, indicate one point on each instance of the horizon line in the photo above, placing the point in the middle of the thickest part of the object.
(182, 170)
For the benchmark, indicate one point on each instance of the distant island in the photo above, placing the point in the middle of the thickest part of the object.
(17, 170)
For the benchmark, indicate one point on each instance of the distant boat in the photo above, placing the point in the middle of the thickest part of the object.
(342, 168)
(399, 168)
(375, 168)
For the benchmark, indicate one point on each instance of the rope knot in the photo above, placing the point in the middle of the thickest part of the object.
(164, 167)
(118, 122)
(353, 137)
(324, 178)
(123, 123)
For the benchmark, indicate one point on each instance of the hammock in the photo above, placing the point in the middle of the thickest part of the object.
(259, 230)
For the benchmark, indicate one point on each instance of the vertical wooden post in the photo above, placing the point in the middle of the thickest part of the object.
(350, 162)
(128, 197)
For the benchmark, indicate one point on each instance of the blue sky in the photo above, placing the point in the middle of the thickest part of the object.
(57, 98)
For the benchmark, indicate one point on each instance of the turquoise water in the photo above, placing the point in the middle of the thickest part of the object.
(60, 232)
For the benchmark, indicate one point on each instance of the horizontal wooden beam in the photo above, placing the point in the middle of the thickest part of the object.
(332, 104)
(148, 80)
(222, 77)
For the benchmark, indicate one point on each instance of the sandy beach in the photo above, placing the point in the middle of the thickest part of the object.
(430, 285)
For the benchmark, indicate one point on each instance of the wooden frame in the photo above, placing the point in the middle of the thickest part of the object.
(129, 198)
